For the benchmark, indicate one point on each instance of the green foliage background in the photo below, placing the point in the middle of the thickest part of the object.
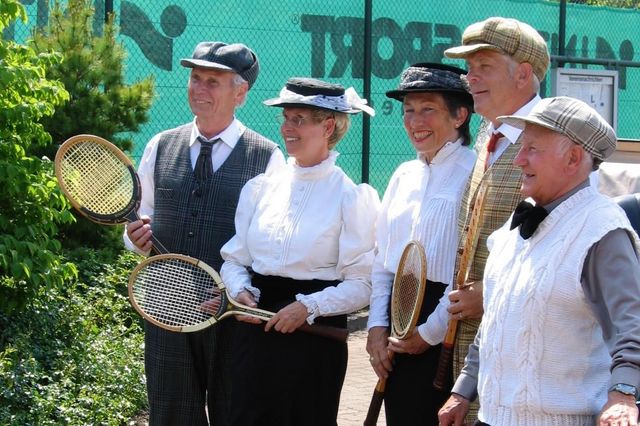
(92, 72)
(31, 207)
(75, 356)
(71, 346)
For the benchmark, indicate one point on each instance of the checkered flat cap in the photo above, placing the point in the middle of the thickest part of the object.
(517, 39)
(574, 119)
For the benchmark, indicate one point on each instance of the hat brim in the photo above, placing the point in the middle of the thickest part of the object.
(467, 49)
(400, 94)
(199, 63)
(278, 102)
(520, 122)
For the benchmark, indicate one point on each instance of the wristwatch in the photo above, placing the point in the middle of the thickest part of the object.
(625, 389)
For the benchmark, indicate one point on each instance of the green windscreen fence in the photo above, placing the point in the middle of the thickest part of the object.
(328, 39)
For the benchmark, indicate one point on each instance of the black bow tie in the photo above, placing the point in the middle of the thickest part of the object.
(528, 218)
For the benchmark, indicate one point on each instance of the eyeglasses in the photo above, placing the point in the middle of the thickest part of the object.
(295, 122)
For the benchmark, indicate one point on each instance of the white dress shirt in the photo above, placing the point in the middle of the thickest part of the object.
(306, 223)
(511, 134)
(219, 153)
(422, 203)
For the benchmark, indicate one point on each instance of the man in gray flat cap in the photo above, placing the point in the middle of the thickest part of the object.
(191, 179)
(559, 341)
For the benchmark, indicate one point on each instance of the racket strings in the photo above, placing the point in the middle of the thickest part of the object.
(173, 291)
(97, 178)
(406, 294)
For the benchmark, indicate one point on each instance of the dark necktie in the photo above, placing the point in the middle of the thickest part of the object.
(491, 147)
(204, 165)
(528, 218)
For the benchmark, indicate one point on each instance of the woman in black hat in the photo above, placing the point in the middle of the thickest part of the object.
(307, 235)
(421, 203)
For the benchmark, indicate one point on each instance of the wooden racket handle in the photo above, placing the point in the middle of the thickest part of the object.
(446, 355)
(376, 404)
(336, 333)
(466, 257)
(376, 399)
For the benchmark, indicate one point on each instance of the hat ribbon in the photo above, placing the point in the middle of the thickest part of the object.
(350, 100)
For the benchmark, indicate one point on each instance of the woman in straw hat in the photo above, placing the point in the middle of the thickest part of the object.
(306, 233)
(421, 203)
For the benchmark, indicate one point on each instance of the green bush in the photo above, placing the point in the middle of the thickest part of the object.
(101, 101)
(75, 355)
(31, 206)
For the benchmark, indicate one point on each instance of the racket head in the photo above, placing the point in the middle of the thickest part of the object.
(408, 290)
(168, 290)
(98, 179)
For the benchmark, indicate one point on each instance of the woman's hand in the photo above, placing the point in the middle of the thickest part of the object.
(413, 345)
(246, 298)
(378, 353)
(289, 318)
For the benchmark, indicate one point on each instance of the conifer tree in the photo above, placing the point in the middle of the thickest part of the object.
(101, 101)
(92, 71)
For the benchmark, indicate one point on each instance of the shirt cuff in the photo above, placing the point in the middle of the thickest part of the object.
(423, 330)
(253, 290)
(626, 375)
(466, 387)
(312, 306)
(371, 324)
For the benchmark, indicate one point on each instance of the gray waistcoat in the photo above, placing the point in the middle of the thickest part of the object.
(197, 220)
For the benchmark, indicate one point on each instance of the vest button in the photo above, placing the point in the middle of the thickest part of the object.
(190, 234)
(194, 213)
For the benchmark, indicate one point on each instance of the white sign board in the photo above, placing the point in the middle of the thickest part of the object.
(598, 88)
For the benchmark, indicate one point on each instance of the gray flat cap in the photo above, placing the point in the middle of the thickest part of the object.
(227, 57)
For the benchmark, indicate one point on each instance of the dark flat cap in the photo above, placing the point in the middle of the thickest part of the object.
(227, 57)
(431, 77)
(311, 92)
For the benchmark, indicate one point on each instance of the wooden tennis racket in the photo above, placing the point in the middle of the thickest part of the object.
(100, 181)
(466, 258)
(174, 291)
(406, 300)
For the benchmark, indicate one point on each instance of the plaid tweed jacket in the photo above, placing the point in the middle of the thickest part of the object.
(502, 196)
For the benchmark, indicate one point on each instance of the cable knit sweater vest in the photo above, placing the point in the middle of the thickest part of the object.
(543, 360)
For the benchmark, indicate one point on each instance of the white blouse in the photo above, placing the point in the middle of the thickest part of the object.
(422, 203)
(306, 223)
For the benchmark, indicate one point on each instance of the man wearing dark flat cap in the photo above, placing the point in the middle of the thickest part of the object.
(559, 342)
(191, 179)
(506, 61)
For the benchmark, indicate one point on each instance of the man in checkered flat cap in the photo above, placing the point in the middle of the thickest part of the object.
(559, 341)
(506, 61)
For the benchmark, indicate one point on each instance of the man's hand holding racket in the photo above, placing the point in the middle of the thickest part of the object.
(139, 233)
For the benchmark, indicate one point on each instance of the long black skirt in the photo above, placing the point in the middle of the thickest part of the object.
(286, 379)
(410, 398)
